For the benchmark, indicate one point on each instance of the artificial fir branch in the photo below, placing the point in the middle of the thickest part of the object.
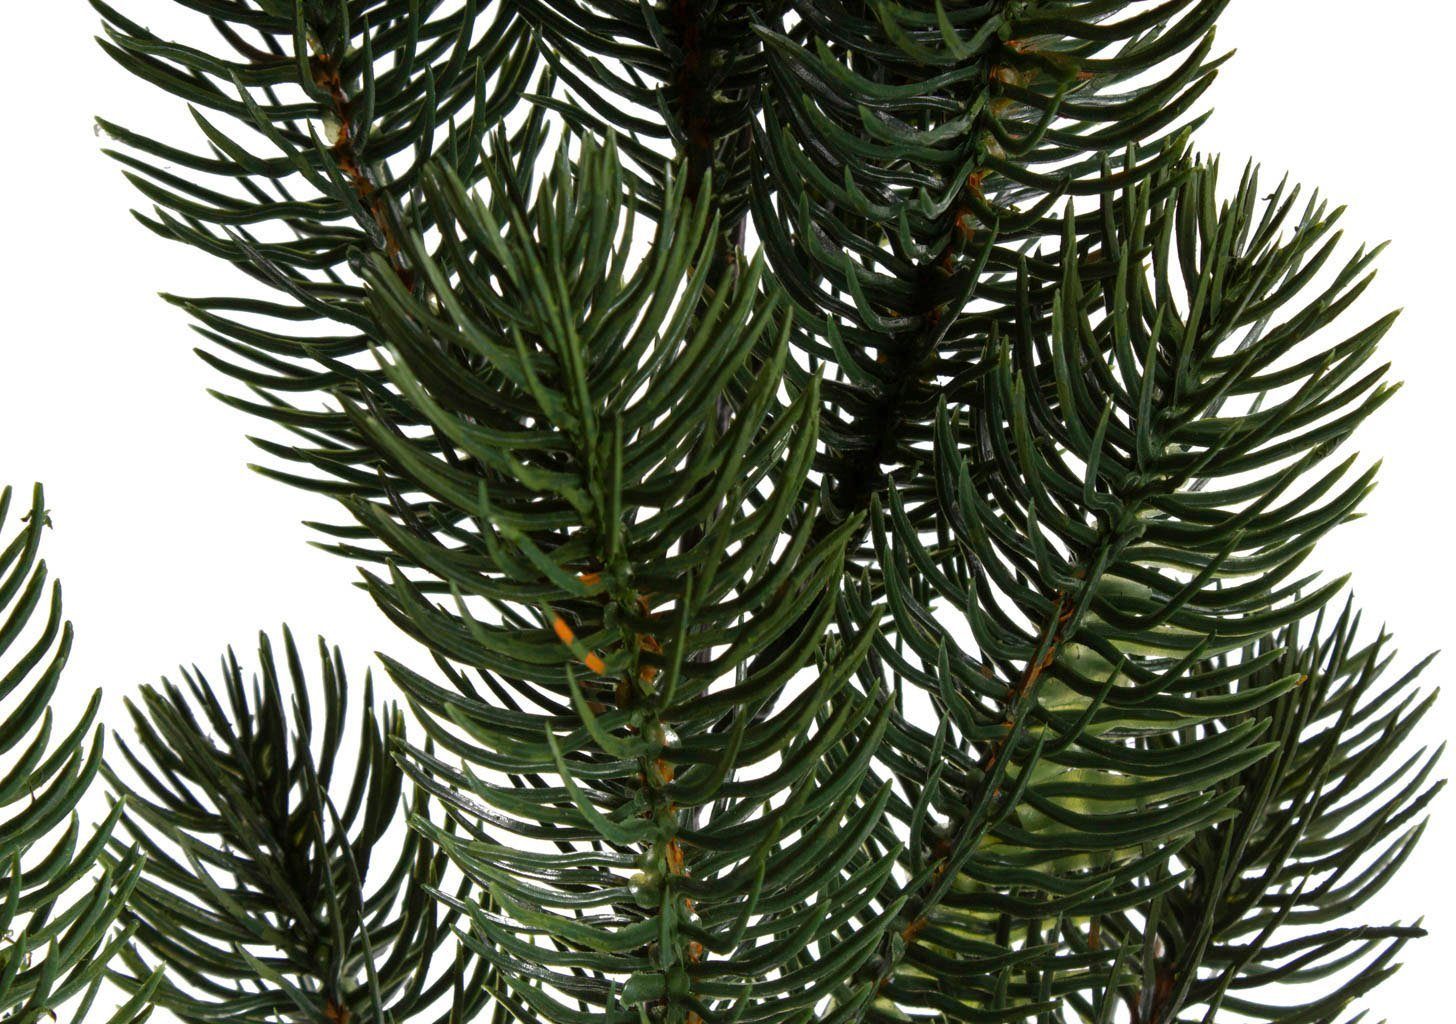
(941, 650)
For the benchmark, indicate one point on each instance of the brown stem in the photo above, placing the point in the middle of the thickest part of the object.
(1014, 698)
(327, 76)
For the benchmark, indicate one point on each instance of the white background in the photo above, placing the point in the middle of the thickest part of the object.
(170, 548)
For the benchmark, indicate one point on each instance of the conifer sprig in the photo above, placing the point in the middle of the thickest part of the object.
(855, 502)
(315, 122)
(1129, 575)
(59, 902)
(914, 155)
(279, 883)
(678, 828)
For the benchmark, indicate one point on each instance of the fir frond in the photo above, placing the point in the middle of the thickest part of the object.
(1128, 560)
(54, 944)
(315, 121)
(1321, 825)
(663, 823)
(913, 156)
(908, 620)
(281, 881)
